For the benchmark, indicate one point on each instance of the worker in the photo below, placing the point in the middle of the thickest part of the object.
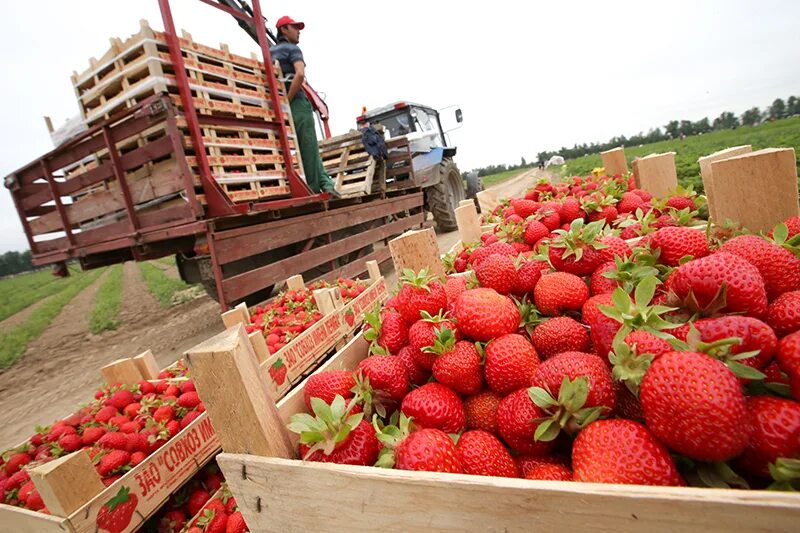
(290, 57)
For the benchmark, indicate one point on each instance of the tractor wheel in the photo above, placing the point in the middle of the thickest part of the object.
(443, 198)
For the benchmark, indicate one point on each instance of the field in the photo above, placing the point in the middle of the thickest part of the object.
(779, 134)
(494, 179)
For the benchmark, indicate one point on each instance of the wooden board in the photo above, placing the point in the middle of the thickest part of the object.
(614, 161)
(707, 175)
(756, 190)
(417, 250)
(656, 174)
(468, 222)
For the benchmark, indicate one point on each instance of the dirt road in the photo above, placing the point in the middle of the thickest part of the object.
(61, 369)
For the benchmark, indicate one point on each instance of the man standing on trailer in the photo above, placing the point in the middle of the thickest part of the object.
(290, 58)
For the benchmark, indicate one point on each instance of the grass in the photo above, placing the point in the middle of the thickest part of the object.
(14, 342)
(161, 286)
(105, 313)
(168, 260)
(493, 179)
(19, 292)
(783, 133)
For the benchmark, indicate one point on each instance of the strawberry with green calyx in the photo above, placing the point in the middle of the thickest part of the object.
(637, 313)
(528, 273)
(419, 292)
(115, 515)
(483, 314)
(334, 435)
(640, 224)
(511, 230)
(427, 449)
(629, 365)
(458, 363)
(786, 473)
(684, 198)
(559, 334)
(776, 426)
(573, 389)
(577, 251)
(623, 272)
(529, 315)
(422, 333)
(387, 331)
(381, 382)
(327, 385)
(714, 475)
(778, 262)
(434, 405)
(600, 208)
(277, 372)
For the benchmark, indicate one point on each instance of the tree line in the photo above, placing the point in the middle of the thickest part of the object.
(675, 129)
(15, 262)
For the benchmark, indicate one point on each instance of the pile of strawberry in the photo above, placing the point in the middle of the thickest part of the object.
(203, 504)
(294, 311)
(121, 427)
(671, 361)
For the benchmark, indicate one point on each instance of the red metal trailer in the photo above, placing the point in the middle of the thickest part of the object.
(143, 200)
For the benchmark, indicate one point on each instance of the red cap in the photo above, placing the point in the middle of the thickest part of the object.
(285, 20)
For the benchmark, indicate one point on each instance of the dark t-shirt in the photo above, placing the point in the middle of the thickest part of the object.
(287, 54)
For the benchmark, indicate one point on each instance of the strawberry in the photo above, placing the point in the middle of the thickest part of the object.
(502, 248)
(165, 413)
(434, 405)
(382, 381)
(236, 523)
(336, 436)
(622, 451)
(559, 334)
(574, 388)
(92, 434)
(70, 442)
(510, 363)
(602, 328)
(627, 404)
(497, 272)
(527, 276)
(579, 250)
(422, 334)
(34, 501)
(197, 500)
(326, 385)
(549, 215)
(115, 515)
(680, 202)
(189, 400)
(517, 420)
(120, 399)
(559, 292)
(534, 232)
(480, 411)
(387, 330)
(112, 462)
(524, 208)
(629, 203)
(788, 357)
(783, 314)
(614, 247)
(17, 479)
(172, 522)
(676, 243)
(602, 279)
(458, 364)
(695, 405)
(641, 193)
(483, 314)
(482, 454)
(570, 210)
(778, 266)
(15, 462)
(417, 374)
(549, 472)
(420, 293)
(426, 449)
(137, 458)
(776, 434)
(720, 282)
(105, 414)
(113, 441)
(277, 371)
(190, 417)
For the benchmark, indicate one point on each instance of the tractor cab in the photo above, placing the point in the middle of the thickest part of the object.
(418, 123)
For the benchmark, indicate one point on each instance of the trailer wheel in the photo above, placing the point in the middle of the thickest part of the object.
(443, 198)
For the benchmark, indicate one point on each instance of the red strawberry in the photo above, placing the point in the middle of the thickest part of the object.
(138, 458)
(527, 276)
(34, 501)
(601, 282)
(422, 334)
(277, 372)
(105, 414)
(482, 454)
(549, 215)
(388, 380)
(236, 523)
(326, 385)
(602, 328)
(675, 243)
(189, 400)
(776, 434)
(113, 461)
(680, 202)
(783, 314)
(502, 248)
(458, 365)
(510, 363)
(559, 292)
(480, 411)
(778, 266)
(570, 210)
(483, 314)
(534, 232)
(426, 449)
(622, 451)
(435, 406)
(172, 522)
(114, 441)
(615, 247)
(165, 413)
(419, 293)
(120, 399)
(788, 357)
(388, 330)
(71, 442)
(359, 447)
(695, 405)
(417, 374)
(92, 434)
(497, 272)
(190, 417)
(15, 462)
(720, 282)
(577, 251)
(115, 515)
(524, 208)
(549, 472)
(629, 203)
(517, 420)
(197, 500)
(560, 334)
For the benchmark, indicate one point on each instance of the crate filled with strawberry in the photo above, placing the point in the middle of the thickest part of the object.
(669, 361)
(204, 504)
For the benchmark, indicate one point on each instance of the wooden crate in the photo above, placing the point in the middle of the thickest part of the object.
(272, 488)
(348, 163)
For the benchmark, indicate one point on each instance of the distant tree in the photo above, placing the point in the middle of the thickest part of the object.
(751, 117)
(777, 109)
(673, 129)
(792, 106)
(726, 121)
(687, 127)
(523, 163)
(701, 126)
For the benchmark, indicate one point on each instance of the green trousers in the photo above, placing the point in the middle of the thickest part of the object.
(316, 175)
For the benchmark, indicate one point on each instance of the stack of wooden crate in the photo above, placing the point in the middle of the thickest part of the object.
(247, 162)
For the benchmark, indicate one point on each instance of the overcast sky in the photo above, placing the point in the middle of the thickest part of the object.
(529, 76)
